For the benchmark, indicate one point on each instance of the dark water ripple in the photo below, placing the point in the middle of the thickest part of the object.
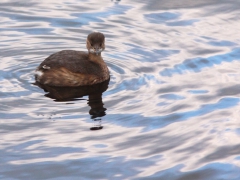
(172, 102)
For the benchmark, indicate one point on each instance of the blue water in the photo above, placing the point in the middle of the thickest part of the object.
(171, 104)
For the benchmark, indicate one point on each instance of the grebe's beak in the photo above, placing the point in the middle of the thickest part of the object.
(98, 50)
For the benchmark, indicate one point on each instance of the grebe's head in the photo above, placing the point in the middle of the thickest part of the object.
(95, 43)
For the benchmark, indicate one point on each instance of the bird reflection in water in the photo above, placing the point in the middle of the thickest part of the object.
(94, 93)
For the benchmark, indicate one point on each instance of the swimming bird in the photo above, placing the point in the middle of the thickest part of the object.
(70, 68)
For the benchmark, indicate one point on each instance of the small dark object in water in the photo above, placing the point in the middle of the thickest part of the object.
(96, 128)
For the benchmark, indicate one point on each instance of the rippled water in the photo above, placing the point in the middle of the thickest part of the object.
(172, 101)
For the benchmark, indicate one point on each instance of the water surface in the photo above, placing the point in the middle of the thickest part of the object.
(172, 101)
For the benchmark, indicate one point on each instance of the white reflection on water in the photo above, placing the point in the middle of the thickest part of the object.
(172, 102)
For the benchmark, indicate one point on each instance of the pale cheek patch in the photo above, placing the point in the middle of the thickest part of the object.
(91, 50)
(94, 51)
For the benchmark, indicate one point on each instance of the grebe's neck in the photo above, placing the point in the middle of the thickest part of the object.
(95, 57)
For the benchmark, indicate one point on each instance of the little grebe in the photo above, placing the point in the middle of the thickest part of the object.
(75, 68)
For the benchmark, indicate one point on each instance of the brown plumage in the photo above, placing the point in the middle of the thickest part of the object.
(75, 68)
